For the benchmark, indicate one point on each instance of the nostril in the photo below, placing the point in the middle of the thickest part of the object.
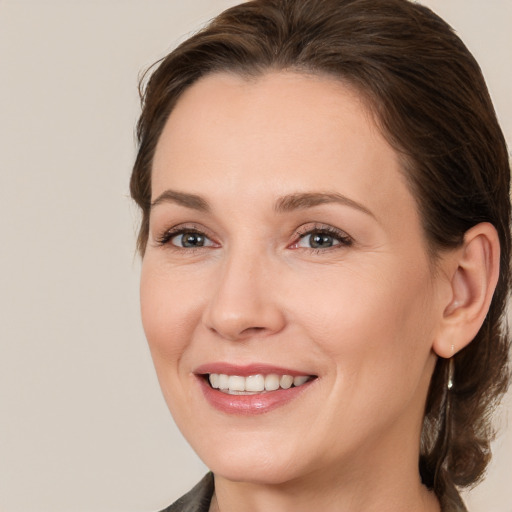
(252, 331)
(244, 333)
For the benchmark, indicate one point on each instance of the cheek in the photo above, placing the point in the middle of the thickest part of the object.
(170, 307)
(375, 318)
(376, 331)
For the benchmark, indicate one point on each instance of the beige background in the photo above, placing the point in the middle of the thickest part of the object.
(82, 424)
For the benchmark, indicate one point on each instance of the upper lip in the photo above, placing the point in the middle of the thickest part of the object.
(247, 369)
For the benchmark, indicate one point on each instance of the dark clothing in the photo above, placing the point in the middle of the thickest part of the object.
(196, 500)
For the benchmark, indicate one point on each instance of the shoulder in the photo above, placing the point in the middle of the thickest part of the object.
(196, 500)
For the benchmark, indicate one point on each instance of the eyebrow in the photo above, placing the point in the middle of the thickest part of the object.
(305, 200)
(191, 201)
(288, 203)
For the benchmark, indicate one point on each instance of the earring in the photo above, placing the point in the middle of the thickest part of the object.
(449, 384)
(445, 430)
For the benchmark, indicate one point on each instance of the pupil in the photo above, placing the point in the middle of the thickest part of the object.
(321, 240)
(192, 240)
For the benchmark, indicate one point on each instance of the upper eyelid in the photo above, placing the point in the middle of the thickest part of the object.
(318, 227)
(187, 227)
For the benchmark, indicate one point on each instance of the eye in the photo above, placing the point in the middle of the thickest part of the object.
(190, 239)
(322, 238)
(186, 238)
(318, 240)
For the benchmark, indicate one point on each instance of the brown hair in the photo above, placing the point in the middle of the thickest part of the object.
(432, 104)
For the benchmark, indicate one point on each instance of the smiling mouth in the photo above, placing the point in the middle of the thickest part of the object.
(254, 384)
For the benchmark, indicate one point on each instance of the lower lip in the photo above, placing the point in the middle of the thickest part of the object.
(250, 404)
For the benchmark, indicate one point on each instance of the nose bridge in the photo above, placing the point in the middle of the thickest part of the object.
(243, 303)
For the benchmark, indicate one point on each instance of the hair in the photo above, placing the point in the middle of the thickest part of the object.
(431, 103)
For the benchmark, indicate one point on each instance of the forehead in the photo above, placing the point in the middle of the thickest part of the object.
(283, 113)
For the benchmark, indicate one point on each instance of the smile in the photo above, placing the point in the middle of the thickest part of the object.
(254, 384)
(251, 389)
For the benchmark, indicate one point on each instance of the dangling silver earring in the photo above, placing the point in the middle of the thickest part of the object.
(449, 384)
(445, 430)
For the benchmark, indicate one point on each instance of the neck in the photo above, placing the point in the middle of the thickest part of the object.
(325, 495)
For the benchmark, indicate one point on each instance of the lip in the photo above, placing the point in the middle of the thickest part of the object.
(246, 370)
(246, 405)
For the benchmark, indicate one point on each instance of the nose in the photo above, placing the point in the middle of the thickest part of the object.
(244, 300)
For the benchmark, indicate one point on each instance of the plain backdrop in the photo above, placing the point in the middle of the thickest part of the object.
(83, 426)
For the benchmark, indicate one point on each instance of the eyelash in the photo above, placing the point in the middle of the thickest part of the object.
(343, 238)
(168, 235)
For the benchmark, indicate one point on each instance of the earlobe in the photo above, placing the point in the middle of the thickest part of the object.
(473, 282)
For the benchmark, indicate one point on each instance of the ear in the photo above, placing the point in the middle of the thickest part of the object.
(474, 275)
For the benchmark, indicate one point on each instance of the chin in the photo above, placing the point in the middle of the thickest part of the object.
(257, 461)
(263, 471)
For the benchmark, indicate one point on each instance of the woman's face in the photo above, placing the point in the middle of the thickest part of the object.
(284, 243)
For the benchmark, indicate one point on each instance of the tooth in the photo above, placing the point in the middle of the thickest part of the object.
(272, 382)
(255, 383)
(214, 380)
(223, 381)
(286, 381)
(298, 381)
(236, 383)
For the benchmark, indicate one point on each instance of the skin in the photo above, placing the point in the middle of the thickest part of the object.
(362, 316)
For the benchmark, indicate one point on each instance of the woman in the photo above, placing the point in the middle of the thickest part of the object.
(325, 241)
